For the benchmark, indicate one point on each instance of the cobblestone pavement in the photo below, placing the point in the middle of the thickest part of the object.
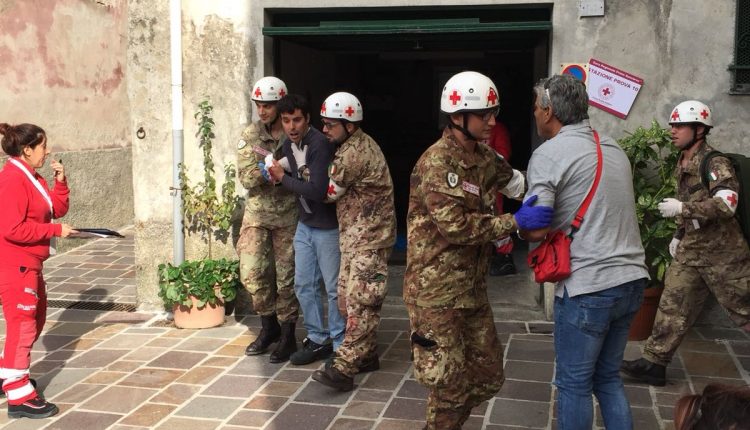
(129, 370)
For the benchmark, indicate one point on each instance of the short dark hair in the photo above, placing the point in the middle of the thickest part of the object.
(291, 102)
(567, 96)
(17, 137)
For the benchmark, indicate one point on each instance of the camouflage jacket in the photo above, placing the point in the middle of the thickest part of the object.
(451, 223)
(366, 214)
(266, 205)
(709, 231)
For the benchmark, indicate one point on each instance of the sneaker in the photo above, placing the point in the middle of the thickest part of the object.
(311, 352)
(369, 364)
(35, 408)
(333, 378)
(645, 371)
(2, 393)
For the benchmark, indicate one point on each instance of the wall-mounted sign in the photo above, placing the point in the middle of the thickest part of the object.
(611, 89)
(579, 71)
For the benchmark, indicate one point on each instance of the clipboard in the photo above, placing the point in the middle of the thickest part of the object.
(88, 233)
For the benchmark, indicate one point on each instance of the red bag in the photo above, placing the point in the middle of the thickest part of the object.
(551, 259)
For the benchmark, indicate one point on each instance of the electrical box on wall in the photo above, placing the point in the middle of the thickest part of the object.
(590, 8)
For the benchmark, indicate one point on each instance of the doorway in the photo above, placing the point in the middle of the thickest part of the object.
(396, 61)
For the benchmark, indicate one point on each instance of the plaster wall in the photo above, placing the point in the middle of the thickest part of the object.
(217, 63)
(63, 68)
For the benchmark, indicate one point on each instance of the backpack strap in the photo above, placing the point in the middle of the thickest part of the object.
(706, 164)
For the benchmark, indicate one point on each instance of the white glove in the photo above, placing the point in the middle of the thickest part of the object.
(516, 186)
(300, 156)
(670, 208)
(673, 247)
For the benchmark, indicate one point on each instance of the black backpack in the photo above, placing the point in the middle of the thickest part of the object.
(741, 166)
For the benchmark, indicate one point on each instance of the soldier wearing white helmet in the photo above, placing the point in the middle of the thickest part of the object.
(710, 253)
(268, 226)
(360, 184)
(451, 225)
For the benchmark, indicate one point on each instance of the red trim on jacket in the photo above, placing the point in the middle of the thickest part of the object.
(25, 219)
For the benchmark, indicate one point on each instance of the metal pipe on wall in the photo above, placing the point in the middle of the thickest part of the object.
(175, 38)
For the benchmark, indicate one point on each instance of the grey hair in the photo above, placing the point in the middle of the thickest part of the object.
(566, 95)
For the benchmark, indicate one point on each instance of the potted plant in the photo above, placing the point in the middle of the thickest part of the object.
(197, 290)
(653, 159)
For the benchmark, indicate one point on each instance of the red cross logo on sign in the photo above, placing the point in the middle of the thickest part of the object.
(675, 115)
(704, 114)
(257, 92)
(349, 111)
(492, 97)
(323, 108)
(606, 91)
(455, 97)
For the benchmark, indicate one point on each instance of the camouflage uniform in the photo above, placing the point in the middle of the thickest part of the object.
(451, 225)
(367, 225)
(712, 256)
(267, 233)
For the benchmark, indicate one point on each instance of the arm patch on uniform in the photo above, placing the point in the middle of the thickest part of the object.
(452, 179)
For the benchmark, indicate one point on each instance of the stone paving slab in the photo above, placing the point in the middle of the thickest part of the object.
(131, 371)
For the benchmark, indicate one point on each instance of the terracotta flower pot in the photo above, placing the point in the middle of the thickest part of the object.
(643, 322)
(193, 317)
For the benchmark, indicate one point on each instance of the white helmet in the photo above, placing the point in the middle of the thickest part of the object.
(691, 111)
(268, 89)
(469, 91)
(342, 105)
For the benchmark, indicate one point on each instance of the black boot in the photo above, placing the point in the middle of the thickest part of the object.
(646, 371)
(287, 345)
(35, 408)
(269, 333)
(334, 379)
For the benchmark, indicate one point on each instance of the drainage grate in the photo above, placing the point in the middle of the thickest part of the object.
(91, 306)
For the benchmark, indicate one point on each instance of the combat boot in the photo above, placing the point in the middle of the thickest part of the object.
(368, 364)
(646, 371)
(269, 333)
(287, 345)
(334, 379)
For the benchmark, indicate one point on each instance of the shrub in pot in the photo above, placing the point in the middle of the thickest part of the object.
(197, 290)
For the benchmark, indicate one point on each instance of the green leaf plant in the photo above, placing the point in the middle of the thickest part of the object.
(210, 214)
(653, 159)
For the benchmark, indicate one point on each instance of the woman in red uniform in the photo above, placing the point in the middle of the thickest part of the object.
(25, 231)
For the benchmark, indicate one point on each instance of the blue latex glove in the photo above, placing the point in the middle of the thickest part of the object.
(264, 172)
(530, 217)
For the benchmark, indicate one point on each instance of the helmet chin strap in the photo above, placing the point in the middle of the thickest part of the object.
(695, 138)
(463, 128)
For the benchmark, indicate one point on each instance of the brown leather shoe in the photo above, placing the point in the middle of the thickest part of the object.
(334, 379)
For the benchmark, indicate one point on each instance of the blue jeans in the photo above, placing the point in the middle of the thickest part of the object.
(317, 257)
(591, 331)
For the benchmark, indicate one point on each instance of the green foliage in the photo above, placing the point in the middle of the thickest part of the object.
(653, 159)
(199, 279)
(203, 209)
(209, 214)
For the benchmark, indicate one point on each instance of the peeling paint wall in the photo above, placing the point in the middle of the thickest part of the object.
(62, 67)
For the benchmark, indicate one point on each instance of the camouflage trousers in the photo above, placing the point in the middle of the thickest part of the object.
(685, 290)
(361, 290)
(458, 356)
(267, 270)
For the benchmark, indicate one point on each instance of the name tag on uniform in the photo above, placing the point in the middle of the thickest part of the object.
(258, 150)
(470, 188)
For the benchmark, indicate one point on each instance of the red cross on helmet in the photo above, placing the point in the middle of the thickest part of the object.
(268, 89)
(469, 91)
(691, 111)
(342, 105)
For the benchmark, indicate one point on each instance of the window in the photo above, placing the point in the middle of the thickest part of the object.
(741, 67)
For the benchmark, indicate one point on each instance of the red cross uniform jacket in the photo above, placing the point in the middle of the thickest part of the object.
(25, 219)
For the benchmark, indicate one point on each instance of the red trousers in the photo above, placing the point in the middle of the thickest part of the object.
(24, 296)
